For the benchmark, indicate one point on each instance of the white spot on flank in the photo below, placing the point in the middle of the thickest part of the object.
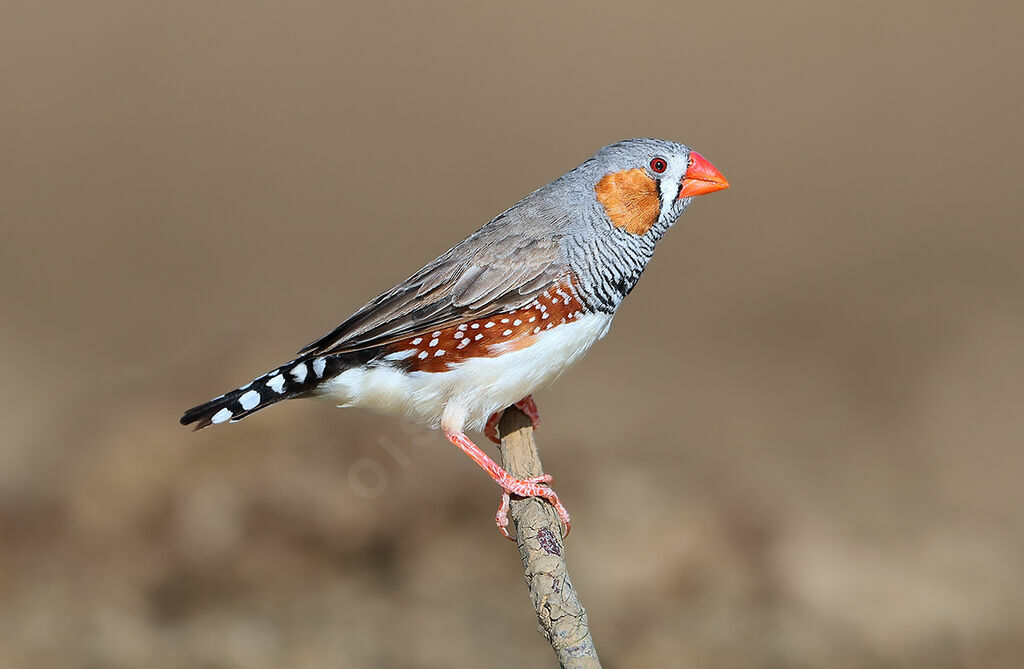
(463, 327)
(319, 365)
(277, 384)
(478, 337)
(475, 326)
(536, 330)
(549, 326)
(422, 356)
(221, 416)
(463, 343)
(506, 333)
(490, 324)
(544, 315)
(433, 342)
(533, 318)
(504, 320)
(436, 334)
(554, 301)
(438, 352)
(417, 340)
(401, 355)
(517, 322)
(299, 372)
(249, 400)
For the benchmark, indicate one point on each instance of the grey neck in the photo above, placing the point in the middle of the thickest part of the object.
(609, 261)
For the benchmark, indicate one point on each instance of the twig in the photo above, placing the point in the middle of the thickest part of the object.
(563, 621)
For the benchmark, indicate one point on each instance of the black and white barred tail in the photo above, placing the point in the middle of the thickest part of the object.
(298, 378)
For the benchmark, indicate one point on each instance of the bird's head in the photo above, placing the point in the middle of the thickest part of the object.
(646, 183)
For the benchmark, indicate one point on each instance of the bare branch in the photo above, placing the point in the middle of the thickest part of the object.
(563, 621)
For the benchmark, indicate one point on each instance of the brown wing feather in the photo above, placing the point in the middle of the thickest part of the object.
(490, 272)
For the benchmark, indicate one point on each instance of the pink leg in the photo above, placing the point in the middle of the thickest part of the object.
(530, 487)
(526, 405)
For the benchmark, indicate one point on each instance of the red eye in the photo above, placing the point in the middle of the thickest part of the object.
(658, 165)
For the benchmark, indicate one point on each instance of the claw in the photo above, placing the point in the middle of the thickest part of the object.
(491, 428)
(529, 407)
(526, 405)
(501, 517)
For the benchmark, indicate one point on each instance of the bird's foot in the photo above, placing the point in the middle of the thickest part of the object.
(526, 405)
(534, 486)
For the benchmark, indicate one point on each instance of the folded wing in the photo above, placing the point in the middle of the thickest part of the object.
(491, 272)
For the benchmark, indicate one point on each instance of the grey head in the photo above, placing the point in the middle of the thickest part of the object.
(639, 185)
(609, 213)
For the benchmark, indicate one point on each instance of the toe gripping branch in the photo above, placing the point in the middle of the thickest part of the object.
(526, 405)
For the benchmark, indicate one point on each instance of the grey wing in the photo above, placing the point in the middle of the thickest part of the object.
(488, 273)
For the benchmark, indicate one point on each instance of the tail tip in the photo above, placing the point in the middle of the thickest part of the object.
(204, 415)
(272, 387)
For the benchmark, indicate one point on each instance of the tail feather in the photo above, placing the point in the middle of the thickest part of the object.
(294, 379)
(298, 378)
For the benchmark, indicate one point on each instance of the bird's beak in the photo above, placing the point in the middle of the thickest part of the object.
(701, 177)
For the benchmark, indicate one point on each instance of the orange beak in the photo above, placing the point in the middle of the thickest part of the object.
(701, 177)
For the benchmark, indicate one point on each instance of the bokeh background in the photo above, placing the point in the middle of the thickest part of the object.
(800, 445)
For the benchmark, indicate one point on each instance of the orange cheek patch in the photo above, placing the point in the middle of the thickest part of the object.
(490, 337)
(630, 198)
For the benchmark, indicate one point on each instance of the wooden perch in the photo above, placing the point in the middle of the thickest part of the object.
(563, 621)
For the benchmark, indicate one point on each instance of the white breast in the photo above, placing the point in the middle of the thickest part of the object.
(466, 395)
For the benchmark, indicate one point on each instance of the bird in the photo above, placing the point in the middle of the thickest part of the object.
(501, 314)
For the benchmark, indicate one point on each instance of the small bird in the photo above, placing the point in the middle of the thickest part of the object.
(502, 313)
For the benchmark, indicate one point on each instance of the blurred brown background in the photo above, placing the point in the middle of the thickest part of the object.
(800, 446)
